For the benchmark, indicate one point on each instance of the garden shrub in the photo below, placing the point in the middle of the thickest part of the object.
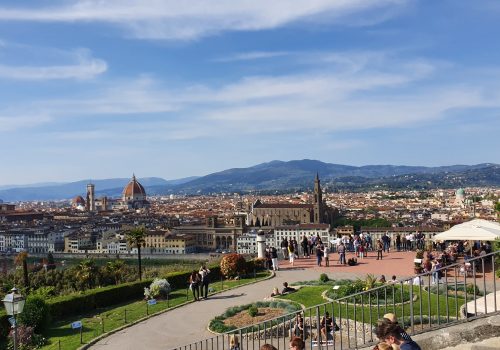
(324, 278)
(78, 303)
(26, 339)
(159, 288)
(73, 304)
(258, 264)
(450, 288)
(36, 313)
(253, 311)
(233, 265)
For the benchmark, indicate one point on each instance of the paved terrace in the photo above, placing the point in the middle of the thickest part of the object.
(189, 323)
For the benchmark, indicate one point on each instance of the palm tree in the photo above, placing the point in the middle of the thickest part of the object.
(116, 267)
(21, 259)
(135, 237)
(85, 272)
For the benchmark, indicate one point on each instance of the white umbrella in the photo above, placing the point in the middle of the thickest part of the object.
(474, 230)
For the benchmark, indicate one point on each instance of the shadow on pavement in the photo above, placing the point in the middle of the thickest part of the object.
(226, 296)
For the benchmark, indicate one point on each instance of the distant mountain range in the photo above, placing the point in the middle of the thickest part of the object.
(105, 187)
(281, 176)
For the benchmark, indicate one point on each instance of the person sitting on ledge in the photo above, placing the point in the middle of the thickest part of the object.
(287, 289)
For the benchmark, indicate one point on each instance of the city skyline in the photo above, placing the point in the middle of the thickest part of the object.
(96, 89)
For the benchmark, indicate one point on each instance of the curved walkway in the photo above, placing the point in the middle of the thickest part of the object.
(188, 323)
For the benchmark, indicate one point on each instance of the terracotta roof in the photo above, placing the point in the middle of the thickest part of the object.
(134, 188)
(304, 226)
(78, 200)
(284, 206)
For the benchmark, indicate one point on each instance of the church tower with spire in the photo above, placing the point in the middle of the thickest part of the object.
(318, 201)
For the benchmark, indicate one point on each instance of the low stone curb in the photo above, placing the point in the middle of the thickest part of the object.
(116, 330)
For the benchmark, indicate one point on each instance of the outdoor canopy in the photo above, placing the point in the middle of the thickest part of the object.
(474, 230)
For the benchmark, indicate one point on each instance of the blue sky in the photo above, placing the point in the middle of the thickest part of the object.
(100, 89)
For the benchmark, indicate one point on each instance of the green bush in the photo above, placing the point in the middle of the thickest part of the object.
(36, 313)
(450, 288)
(258, 264)
(390, 294)
(253, 311)
(74, 304)
(318, 282)
(324, 278)
(233, 265)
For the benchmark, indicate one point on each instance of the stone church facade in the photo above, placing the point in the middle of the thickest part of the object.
(282, 214)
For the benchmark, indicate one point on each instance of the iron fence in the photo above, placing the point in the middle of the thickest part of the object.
(458, 292)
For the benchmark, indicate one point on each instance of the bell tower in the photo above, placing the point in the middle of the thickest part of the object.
(90, 203)
(318, 201)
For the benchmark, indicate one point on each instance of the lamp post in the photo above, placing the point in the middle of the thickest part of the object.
(14, 305)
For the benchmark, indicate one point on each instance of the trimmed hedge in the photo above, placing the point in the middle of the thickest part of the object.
(74, 304)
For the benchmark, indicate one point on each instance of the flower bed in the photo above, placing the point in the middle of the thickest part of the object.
(391, 294)
(217, 324)
(450, 289)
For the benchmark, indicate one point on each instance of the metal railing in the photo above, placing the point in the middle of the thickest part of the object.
(456, 293)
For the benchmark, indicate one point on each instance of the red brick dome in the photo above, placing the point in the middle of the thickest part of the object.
(134, 190)
(78, 200)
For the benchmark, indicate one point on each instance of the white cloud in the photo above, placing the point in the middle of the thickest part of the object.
(184, 20)
(13, 122)
(375, 93)
(84, 67)
(249, 56)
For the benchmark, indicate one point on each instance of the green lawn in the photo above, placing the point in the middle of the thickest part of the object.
(106, 320)
(425, 304)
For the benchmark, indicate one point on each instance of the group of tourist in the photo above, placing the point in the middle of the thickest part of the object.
(309, 246)
(198, 282)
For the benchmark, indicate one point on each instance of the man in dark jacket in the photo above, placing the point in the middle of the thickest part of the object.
(284, 248)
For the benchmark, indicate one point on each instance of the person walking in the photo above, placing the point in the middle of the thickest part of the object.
(291, 253)
(284, 248)
(386, 242)
(380, 248)
(319, 254)
(194, 285)
(305, 246)
(361, 250)
(341, 251)
(295, 247)
(274, 258)
(205, 280)
(326, 255)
